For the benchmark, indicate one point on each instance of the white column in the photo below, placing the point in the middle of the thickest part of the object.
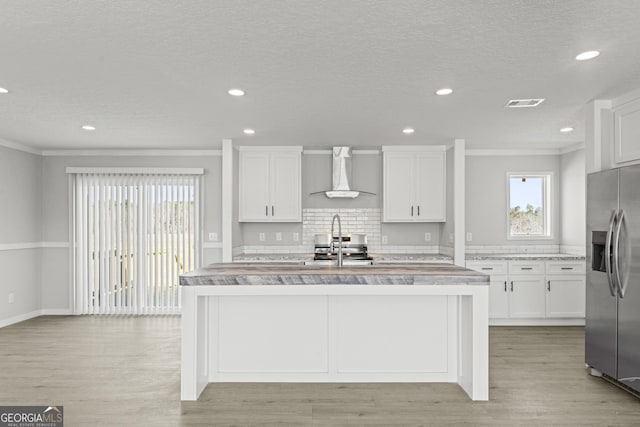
(459, 217)
(227, 200)
(595, 147)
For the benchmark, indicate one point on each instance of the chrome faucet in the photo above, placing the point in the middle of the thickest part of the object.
(333, 221)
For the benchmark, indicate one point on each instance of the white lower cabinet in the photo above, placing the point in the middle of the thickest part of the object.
(534, 292)
(566, 288)
(526, 297)
(499, 297)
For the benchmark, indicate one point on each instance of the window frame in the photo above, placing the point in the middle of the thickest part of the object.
(547, 200)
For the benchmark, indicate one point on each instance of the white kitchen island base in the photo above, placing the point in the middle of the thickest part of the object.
(335, 333)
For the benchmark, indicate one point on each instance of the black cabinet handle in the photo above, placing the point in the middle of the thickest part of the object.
(526, 268)
(566, 268)
(411, 210)
(512, 286)
(266, 210)
(487, 268)
(273, 212)
(418, 210)
(549, 285)
(505, 286)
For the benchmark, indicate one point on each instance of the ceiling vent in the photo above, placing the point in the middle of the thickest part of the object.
(521, 103)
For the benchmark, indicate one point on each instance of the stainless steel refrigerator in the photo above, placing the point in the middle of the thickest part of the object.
(613, 275)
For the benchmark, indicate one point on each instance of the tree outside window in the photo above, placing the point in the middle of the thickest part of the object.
(529, 202)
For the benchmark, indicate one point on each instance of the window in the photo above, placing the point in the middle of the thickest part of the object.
(529, 205)
(133, 235)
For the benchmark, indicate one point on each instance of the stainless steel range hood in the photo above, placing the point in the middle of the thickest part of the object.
(341, 166)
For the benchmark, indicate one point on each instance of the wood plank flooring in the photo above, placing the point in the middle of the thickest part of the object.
(121, 371)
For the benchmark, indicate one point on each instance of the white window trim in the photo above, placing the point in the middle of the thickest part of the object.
(547, 200)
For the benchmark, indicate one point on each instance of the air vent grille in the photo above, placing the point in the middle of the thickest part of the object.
(521, 103)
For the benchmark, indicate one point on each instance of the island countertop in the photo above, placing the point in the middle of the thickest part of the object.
(237, 274)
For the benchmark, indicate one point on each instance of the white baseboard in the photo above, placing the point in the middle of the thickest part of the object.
(35, 313)
(55, 312)
(537, 322)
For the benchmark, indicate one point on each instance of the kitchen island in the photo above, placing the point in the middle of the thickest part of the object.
(292, 323)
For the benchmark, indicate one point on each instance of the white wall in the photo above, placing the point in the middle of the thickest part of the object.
(486, 197)
(55, 187)
(20, 233)
(572, 199)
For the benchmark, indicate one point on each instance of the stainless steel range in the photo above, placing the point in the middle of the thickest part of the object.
(354, 250)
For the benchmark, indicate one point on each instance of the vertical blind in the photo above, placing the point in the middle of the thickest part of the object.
(134, 234)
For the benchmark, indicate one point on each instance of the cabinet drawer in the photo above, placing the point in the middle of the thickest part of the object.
(526, 267)
(488, 267)
(565, 267)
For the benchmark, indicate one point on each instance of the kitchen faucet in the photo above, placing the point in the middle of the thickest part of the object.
(333, 221)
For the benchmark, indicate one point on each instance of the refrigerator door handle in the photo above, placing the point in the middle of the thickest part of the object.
(607, 252)
(622, 288)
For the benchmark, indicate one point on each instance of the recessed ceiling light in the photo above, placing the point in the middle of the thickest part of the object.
(444, 91)
(567, 129)
(88, 127)
(584, 56)
(408, 131)
(249, 131)
(3, 90)
(236, 92)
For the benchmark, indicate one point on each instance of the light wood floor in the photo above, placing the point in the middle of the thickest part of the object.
(126, 371)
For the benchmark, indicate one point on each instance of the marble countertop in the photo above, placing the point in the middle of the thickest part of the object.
(377, 258)
(234, 274)
(524, 257)
(270, 258)
(411, 258)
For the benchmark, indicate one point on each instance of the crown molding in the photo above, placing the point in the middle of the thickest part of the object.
(20, 147)
(571, 148)
(514, 152)
(139, 152)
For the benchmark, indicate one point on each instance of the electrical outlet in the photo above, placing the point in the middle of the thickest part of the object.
(11, 298)
(262, 237)
(469, 237)
(213, 237)
(427, 237)
(385, 240)
(296, 237)
(278, 235)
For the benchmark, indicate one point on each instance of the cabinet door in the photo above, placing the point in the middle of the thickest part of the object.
(430, 187)
(398, 188)
(627, 132)
(498, 297)
(254, 186)
(527, 296)
(285, 205)
(565, 296)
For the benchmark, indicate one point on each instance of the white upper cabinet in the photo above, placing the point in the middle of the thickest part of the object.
(627, 132)
(270, 184)
(414, 184)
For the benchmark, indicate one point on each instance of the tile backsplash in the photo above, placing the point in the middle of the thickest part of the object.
(353, 220)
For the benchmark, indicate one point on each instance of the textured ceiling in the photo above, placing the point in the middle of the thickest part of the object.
(154, 74)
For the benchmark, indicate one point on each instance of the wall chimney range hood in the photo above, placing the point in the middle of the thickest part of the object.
(341, 187)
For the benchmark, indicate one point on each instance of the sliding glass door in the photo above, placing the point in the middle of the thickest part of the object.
(134, 234)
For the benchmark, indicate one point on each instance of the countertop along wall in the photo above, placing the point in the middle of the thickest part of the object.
(20, 234)
(55, 222)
